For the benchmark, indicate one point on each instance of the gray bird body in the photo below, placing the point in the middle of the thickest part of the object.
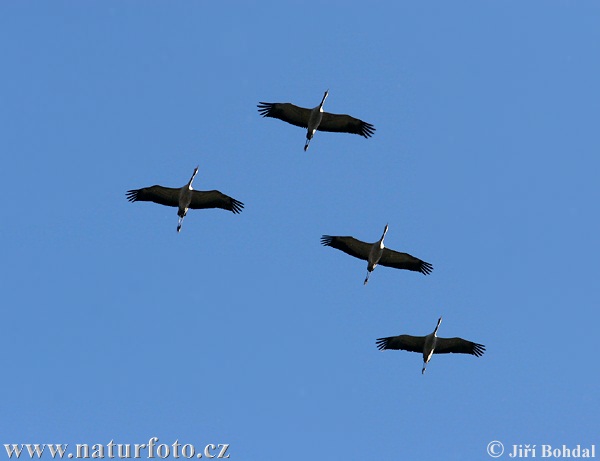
(316, 115)
(375, 254)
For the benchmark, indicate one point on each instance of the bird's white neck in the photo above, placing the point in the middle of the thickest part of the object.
(437, 326)
(323, 101)
(381, 245)
(192, 178)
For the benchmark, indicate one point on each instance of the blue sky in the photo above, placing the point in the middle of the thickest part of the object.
(243, 329)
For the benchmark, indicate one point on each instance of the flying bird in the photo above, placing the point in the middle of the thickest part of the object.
(376, 253)
(430, 344)
(315, 119)
(185, 198)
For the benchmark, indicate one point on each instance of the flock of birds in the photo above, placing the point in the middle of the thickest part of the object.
(186, 198)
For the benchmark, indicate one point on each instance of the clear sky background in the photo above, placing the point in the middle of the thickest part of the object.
(243, 329)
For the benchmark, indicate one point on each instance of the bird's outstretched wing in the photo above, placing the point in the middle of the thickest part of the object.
(348, 245)
(158, 194)
(391, 258)
(458, 346)
(214, 199)
(402, 342)
(341, 123)
(285, 111)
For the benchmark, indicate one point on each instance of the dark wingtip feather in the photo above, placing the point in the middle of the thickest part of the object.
(236, 206)
(478, 349)
(326, 240)
(367, 130)
(264, 108)
(426, 268)
(132, 195)
(382, 343)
